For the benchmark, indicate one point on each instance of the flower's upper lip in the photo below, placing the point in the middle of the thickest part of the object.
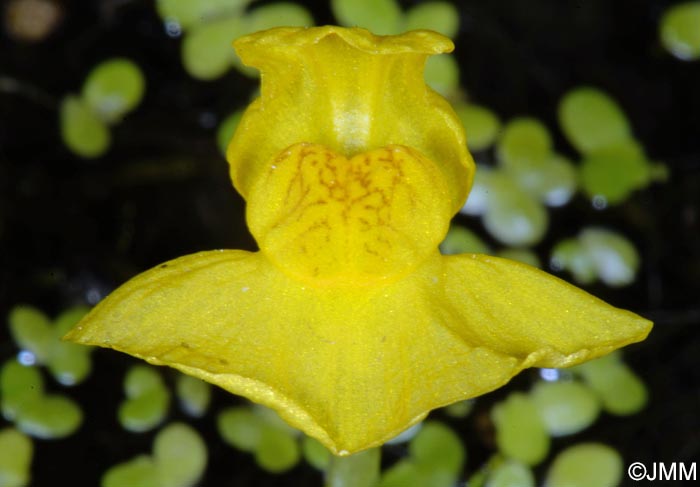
(417, 41)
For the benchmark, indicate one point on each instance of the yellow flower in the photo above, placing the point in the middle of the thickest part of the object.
(348, 321)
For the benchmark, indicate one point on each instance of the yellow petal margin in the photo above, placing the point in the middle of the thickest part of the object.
(350, 91)
(348, 321)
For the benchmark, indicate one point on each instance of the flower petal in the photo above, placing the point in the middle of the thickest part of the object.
(351, 367)
(324, 218)
(350, 91)
(521, 311)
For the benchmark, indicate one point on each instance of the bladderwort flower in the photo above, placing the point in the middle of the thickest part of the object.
(348, 321)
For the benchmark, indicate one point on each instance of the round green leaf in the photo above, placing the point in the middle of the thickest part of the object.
(460, 240)
(680, 31)
(226, 129)
(194, 395)
(442, 74)
(592, 120)
(525, 142)
(382, 17)
(32, 331)
(586, 465)
(68, 319)
(520, 255)
(513, 216)
(278, 14)
(82, 130)
(206, 51)
(315, 453)
(441, 17)
(141, 379)
(436, 446)
(180, 454)
(615, 171)
(511, 473)
(49, 417)
(240, 428)
(277, 450)
(570, 255)
(520, 432)
(615, 258)
(565, 407)
(145, 411)
(19, 384)
(558, 182)
(138, 472)
(189, 13)
(16, 451)
(113, 88)
(480, 123)
(69, 363)
(621, 391)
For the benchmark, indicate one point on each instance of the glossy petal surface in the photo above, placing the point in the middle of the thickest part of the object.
(348, 321)
(350, 91)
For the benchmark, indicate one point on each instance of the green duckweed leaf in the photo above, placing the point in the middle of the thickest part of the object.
(315, 453)
(141, 379)
(510, 473)
(679, 30)
(147, 399)
(481, 194)
(592, 120)
(460, 240)
(67, 319)
(406, 435)
(141, 471)
(145, 411)
(206, 51)
(441, 17)
(114, 88)
(570, 255)
(226, 129)
(513, 216)
(521, 255)
(188, 13)
(180, 455)
(525, 142)
(438, 447)
(16, 451)
(382, 17)
(357, 470)
(480, 124)
(32, 331)
(240, 428)
(49, 417)
(615, 258)
(194, 395)
(442, 74)
(558, 182)
(277, 451)
(459, 409)
(407, 473)
(586, 465)
(82, 130)
(19, 384)
(69, 363)
(613, 172)
(620, 390)
(520, 432)
(278, 14)
(565, 407)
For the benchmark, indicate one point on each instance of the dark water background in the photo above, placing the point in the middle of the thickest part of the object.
(71, 228)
